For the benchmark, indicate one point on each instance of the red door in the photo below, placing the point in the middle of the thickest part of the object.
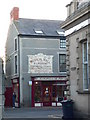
(8, 97)
(46, 95)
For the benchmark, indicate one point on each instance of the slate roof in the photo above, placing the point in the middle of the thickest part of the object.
(28, 27)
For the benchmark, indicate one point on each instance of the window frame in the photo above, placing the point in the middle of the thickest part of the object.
(83, 65)
(62, 42)
(15, 44)
(59, 63)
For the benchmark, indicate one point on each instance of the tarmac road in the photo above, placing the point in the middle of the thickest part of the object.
(42, 113)
(30, 113)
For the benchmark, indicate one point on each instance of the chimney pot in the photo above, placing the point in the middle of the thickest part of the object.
(14, 15)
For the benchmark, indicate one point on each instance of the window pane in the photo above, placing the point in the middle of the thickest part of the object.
(54, 93)
(15, 64)
(85, 76)
(59, 93)
(15, 44)
(62, 63)
(85, 65)
(62, 43)
(37, 96)
(85, 51)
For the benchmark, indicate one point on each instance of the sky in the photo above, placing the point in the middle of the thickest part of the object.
(33, 9)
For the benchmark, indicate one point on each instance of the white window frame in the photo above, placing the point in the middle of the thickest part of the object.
(62, 47)
(85, 63)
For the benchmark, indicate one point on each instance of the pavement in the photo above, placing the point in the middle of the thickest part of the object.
(48, 113)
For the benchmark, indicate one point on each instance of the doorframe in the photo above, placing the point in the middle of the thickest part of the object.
(16, 81)
(50, 95)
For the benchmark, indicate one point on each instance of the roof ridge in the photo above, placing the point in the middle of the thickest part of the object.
(41, 19)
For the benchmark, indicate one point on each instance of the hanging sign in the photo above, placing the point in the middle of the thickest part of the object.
(30, 83)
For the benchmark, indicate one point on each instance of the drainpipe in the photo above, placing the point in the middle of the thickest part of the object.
(19, 68)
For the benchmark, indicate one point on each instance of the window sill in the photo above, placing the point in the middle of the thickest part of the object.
(83, 92)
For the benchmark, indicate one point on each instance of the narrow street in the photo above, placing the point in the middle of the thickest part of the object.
(32, 113)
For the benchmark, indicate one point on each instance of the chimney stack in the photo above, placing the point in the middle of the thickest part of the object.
(72, 7)
(14, 15)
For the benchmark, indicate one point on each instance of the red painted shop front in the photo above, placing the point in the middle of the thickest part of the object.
(47, 93)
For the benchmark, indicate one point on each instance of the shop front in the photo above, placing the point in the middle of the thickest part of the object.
(48, 91)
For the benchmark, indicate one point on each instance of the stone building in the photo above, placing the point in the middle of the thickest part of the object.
(77, 31)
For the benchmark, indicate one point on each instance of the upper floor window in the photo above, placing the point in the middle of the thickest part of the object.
(85, 65)
(16, 64)
(63, 43)
(62, 62)
(15, 44)
(61, 33)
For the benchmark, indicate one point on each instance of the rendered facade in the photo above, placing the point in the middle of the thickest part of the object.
(35, 61)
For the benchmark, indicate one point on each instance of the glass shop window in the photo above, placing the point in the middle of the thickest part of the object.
(37, 95)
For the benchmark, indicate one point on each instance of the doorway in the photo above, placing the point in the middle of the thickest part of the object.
(8, 97)
(15, 84)
(46, 95)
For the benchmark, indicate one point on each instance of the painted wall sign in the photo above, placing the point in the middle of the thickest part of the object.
(40, 63)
